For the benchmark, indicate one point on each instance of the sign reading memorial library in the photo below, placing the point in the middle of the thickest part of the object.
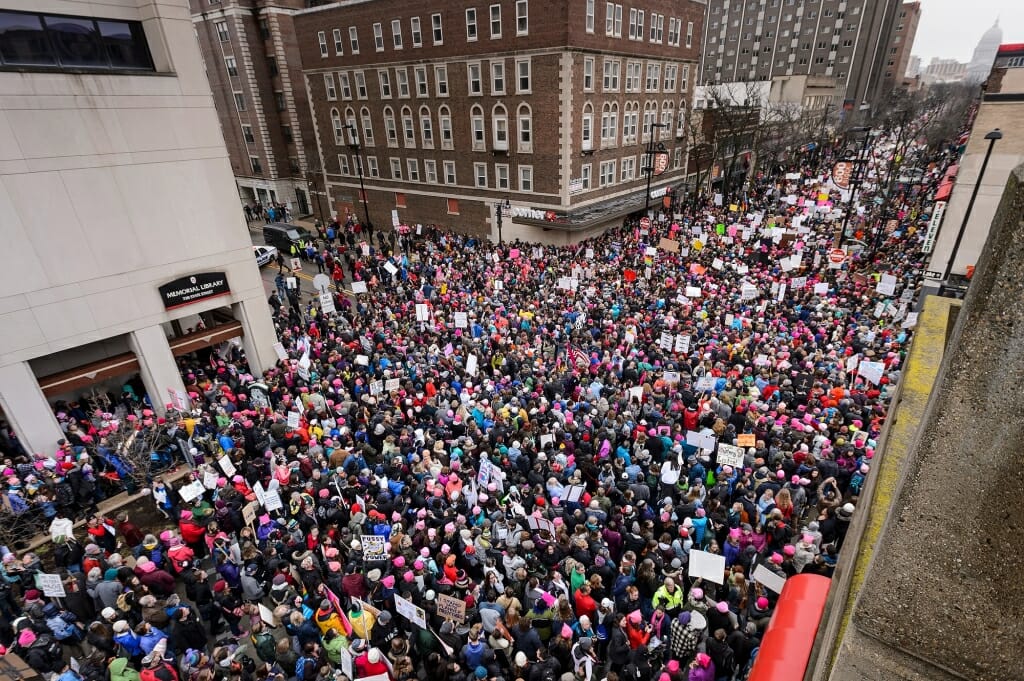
(194, 288)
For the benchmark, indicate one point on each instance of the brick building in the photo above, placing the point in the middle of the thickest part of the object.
(458, 106)
(252, 61)
(897, 57)
(747, 40)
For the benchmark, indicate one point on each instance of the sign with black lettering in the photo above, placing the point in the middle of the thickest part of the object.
(194, 288)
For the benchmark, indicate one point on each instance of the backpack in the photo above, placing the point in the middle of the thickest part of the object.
(305, 669)
(266, 646)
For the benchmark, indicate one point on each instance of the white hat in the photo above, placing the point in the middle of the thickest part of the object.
(373, 656)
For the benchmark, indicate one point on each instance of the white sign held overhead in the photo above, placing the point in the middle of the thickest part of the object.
(769, 579)
(871, 371)
(461, 320)
(709, 566)
(730, 456)
(422, 312)
(51, 585)
(358, 287)
(471, 365)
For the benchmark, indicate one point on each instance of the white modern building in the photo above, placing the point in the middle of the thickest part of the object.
(118, 210)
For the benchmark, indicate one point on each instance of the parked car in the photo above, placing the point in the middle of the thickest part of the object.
(282, 235)
(264, 254)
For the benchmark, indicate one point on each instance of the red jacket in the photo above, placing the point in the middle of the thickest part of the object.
(190, 532)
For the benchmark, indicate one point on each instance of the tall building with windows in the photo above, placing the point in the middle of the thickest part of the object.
(450, 108)
(125, 247)
(252, 61)
(747, 40)
(897, 57)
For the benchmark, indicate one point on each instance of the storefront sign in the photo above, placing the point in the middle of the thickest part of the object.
(194, 288)
(658, 193)
(933, 226)
(536, 214)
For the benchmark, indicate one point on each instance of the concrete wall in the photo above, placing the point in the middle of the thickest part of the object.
(110, 186)
(943, 598)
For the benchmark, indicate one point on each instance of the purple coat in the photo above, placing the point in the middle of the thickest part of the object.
(702, 673)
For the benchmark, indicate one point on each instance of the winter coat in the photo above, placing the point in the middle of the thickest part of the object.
(120, 671)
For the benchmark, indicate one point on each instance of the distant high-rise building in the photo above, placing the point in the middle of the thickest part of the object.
(913, 69)
(943, 71)
(252, 61)
(985, 54)
(898, 53)
(764, 39)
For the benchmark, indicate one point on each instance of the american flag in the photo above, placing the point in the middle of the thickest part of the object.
(579, 358)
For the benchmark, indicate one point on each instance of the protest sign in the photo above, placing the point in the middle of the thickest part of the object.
(225, 465)
(410, 611)
(705, 383)
(730, 456)
(453, 608)
(51, 585)
(422, 312)
(709, 566)
(871, 371)
(373, 547)
(471, 365)
(282, 354)
(392, 384)
(249, 512)
(886, 285)
(191, 491)
(461, 320)
(746, 440)
(769, 579)
(293, 419)
(358, 287)
(701, 440)
(210, 479)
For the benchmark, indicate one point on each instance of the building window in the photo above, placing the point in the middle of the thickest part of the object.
(497, 77)
(630, 122)
(272, 66)
(499, 126)
(524, 124)
(360, 85)
(396, 169)
(501, 176)
(590, 16)
(372, 169)
(669, 84)
(400, 200)
(408, 129)
(441, 80)
(523, 76)
(689, 34)
(402, 77)
(346, 86)
(609, 124)
(426, 128)
(321, 37)
(628, 169)
(526, 178)
(607, 175)
(338, 42)
(618, 21)
(480, 174)
(417, 33)
(413, 166)
(264, 29)
(353, 39)
(239, 101)
(221, 26)
(367, 121)
(444, 119)
(449, 172)
(495, 21)
(257, 167)
(396, 33)
(378, 37)
(329, 89)
(585, 175)
(588, 74)
(476, 125)
(522, 17)
(681, 119)
(453, 206)
(611, 75)
(674, 26)
(430, 171)
(473, 77)
(609, 18)
(677, 158)
(471, 32)
(231, 65)
(587, 127)
(343, 168)
(684, 82)
(633, 23)
(247, 134)
(420, 74)
(435, 23)
(653, 77)
(390, 129)
(338, 127)
(384, 78)
(633, 70)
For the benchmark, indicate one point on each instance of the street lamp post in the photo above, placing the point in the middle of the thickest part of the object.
(353, 144)
(991, 137)
(653, 148)
(499, 214)
(857, 179)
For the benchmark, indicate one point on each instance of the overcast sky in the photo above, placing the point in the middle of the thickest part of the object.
(951, 28)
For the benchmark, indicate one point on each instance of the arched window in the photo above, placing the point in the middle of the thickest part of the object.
(499, 121)
(681, 119)
(339, 127)
(367, 120)
(667, 116)
(524, 123)
(609, 124)
(350, 120)
(476, 124)
(444, 118)
(408, 129)
(588, 127)
(389, 126)
(630, 122)
(650, 117)
(426, 127)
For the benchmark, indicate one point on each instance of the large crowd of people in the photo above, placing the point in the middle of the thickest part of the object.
(501, 461)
